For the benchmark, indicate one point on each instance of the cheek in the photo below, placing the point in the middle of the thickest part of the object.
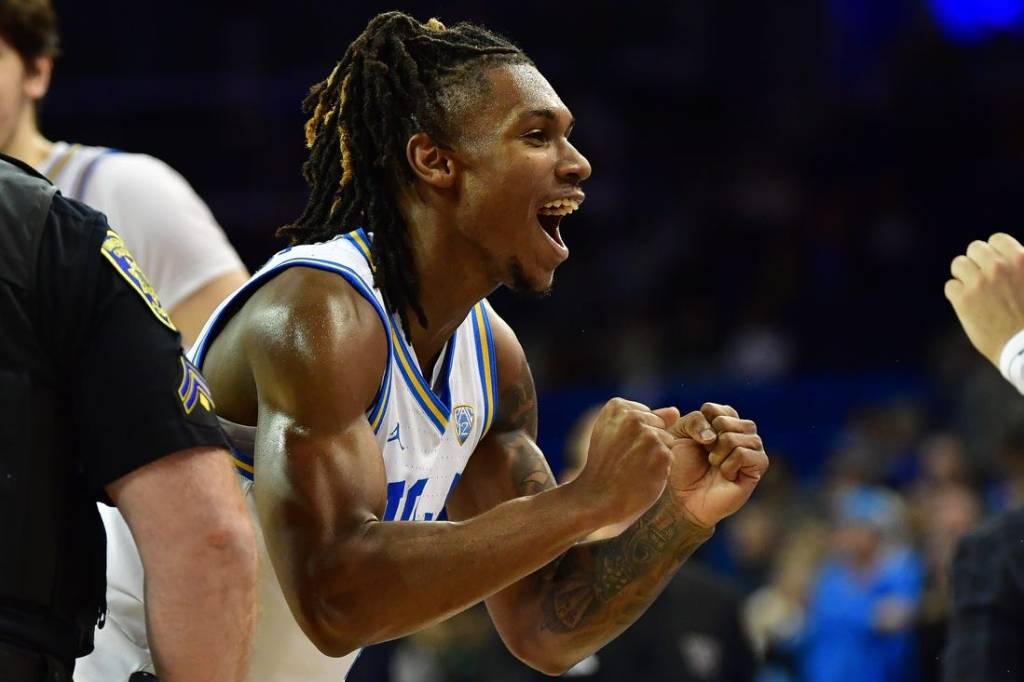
(11, 97)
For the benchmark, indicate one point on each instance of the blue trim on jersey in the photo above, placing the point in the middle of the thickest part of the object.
(358, 239)
(446, 372)
(435, 410)
(485, 363)
(244, 464)
(494, 365)
(383, 397)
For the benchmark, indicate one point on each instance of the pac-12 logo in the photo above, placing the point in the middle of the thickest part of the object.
(463, 422)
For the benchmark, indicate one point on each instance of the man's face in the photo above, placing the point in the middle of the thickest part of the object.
(20, 89)
(514, 157)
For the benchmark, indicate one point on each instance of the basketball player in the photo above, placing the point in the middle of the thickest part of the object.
(368, 387)
(170, 230)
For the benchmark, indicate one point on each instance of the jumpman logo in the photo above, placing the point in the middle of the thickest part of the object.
(396, 435)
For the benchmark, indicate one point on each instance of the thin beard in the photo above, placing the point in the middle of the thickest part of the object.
(521, 286)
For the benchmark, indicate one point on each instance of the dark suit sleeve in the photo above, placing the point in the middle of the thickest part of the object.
(986, 636)
(133, 396)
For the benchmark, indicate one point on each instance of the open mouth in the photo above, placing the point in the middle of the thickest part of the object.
(550, 217)
(549, 223)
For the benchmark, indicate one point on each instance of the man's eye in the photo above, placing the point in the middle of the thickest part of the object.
(536, 136)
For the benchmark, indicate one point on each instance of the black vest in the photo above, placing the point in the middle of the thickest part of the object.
(52, 546)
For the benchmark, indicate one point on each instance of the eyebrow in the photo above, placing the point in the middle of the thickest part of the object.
(549, 114)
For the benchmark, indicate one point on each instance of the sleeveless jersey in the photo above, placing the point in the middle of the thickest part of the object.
(426, 431)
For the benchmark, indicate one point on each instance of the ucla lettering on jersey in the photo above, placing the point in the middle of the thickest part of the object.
(426, 430)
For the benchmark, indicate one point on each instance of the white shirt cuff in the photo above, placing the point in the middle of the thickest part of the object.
(1011, 360)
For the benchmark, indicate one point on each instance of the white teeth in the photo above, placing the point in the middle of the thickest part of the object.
(560, 207)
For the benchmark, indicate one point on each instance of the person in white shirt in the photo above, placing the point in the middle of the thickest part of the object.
(172, 233)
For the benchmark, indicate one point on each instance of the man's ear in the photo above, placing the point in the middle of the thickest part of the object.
(430, 162)
(37, 77)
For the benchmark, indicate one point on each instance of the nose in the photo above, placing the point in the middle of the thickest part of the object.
(573, 167)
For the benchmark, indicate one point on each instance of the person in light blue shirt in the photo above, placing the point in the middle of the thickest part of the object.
(860, 616)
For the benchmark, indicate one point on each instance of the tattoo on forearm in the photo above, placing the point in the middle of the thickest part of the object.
(588, 580)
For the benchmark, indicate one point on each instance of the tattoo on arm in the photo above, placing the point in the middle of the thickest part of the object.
(517, 405)
(517, 424)
(616, 579)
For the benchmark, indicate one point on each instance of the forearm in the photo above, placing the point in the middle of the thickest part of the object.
(432, 570)
(598, 589)
(200, 608)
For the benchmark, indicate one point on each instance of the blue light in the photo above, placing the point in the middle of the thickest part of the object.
(973, 20)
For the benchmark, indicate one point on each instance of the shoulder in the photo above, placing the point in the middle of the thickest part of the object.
(508, 352)
(135, 186)
(136, 170)
(517, 396)
(314, 338)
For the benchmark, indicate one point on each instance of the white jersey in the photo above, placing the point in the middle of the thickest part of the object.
(167, 227)
(426, 431)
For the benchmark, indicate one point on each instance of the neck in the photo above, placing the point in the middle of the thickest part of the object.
(27, 143)
(452, 280)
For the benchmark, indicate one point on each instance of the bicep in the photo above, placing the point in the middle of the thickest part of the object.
(319, 474)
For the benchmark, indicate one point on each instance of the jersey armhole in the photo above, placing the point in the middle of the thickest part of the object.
(378, 406)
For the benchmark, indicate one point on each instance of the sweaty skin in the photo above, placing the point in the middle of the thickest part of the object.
(303, 359)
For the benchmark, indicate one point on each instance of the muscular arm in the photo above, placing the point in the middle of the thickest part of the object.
(557, 616)
(317, 350)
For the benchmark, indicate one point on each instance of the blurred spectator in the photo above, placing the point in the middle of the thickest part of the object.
(776, 613)
(860, 617)
(945, 514)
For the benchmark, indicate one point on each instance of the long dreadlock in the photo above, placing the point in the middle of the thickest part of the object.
(392, 83)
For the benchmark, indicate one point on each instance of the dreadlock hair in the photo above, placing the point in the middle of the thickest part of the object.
(398, 78)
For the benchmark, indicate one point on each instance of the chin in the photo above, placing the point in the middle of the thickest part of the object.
(520, 282)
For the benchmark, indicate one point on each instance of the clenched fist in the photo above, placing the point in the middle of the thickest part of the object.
(628, 461)
(987, 293)
(717, 461)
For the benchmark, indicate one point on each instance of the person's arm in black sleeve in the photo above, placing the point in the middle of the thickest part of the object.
(986, 632)
(149, 439)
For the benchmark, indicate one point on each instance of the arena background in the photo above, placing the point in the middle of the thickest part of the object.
(778, 190)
